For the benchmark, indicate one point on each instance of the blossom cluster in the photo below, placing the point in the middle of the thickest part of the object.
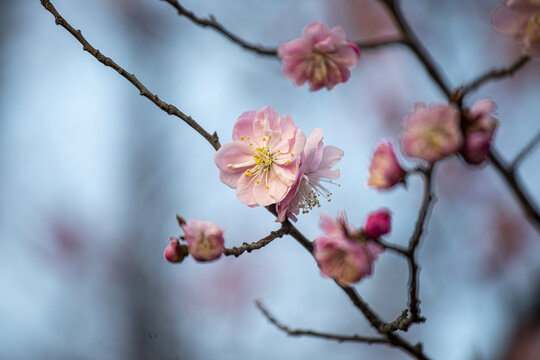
(271, 162)
(204, 242)
(346, 254)
(432, 133)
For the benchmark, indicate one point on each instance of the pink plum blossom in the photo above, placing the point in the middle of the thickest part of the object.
(204, 239)
(479, 128)
(262, 162)
(316, 164)
(321, 56)
(378, 223)
(385, 170)
(174, 252)
(520, 19)
(432, 132)
(340, 254)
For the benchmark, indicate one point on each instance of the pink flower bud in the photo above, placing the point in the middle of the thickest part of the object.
(204, 240)
(385, 170)
(432, 132)
(321, 57)
(479, 130)
(174, 252)
(476, 148)
(342, 256)
(378, 223)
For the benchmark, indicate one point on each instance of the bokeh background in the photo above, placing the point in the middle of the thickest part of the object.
(92, 176)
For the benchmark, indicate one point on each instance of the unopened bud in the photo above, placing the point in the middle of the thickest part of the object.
(378, 223)
(174, 252)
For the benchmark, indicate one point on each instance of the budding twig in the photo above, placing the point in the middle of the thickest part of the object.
(495, 74)
(298, 332)
(249, 247)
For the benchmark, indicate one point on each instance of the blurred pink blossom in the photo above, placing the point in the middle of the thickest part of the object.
(479, 128)
(340, 254)
(174, 252)
(520, 19)
(432, 132)
(321, 56)
(316, 165)
(378, 223)
(262, 162)
(204, 239)
(385, 170)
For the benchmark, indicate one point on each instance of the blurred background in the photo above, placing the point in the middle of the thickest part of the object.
(92, 176)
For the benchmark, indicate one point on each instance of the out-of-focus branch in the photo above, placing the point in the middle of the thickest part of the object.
(533, 214)
(298, 332)
(212, 23)
(373, 318)
(411, 40)
(168, 108)
(237, 251)
(425, 208)
(495, 74)
(456, 96)
(525, 152)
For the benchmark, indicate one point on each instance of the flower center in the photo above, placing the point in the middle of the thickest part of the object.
(263, 158)
(533, 27)
(318, 67)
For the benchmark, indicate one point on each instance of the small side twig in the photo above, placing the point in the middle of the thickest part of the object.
(322, 335)
(494, 74)
(168, 108)
(249, 247)
(525, 152)
(513, 181)
(211, 22)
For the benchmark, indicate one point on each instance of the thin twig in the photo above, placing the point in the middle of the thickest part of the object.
(517, 188)
(373, 318)
(249, 247)
(425, 208)
(395, 248)
(212, 23)
(525, 152)
(168, 108)
(495, 74)
(298, 332)
(411, 40)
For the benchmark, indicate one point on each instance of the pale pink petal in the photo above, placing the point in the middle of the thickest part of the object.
(315, 32)
(244, 191)
(331, 156)
(509, 22)
(296, 49)
(230, 155)
(244, 126)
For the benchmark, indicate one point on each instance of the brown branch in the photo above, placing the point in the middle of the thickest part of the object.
(456, 96)
(212, 23)
(425, 208)
(532, 213)
(495, 74)
(411, 40)
(525, 151)
(298, 332)
(415, 351)
(395, 248)
(168, 108)
(249, 247)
